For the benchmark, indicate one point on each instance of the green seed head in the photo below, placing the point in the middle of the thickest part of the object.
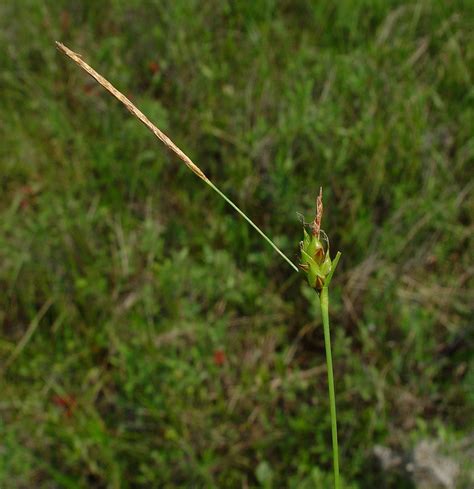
(315, 260)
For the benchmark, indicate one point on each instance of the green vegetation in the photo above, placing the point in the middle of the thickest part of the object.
(148, 336)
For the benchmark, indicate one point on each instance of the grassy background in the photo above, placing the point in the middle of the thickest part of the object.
(148, 337)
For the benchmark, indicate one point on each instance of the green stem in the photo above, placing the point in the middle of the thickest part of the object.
(324, 301)
(259, 231)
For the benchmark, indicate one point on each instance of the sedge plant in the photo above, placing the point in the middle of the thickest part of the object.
(316, 262)
(319, 268)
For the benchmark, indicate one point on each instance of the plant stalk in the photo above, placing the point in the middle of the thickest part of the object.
(166, 141)
(259, 231)
(324, 302)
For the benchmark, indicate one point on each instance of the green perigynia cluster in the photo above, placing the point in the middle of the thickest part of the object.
(315, 260)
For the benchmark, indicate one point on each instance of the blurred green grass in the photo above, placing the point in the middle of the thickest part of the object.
(169, 346)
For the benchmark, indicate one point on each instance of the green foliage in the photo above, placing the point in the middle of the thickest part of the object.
(178, 350)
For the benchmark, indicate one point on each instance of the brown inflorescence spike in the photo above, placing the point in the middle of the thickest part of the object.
(319, 214)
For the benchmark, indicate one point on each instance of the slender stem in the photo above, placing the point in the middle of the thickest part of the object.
(324, 301)
(259, 231)
(165, 140)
